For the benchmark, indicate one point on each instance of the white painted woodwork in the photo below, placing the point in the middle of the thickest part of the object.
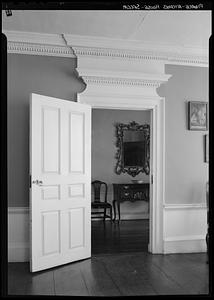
(51, 139)
(76, 190)
(177, 239)
(51, 192)
(50, 233)
(116, 84)
(151, 179)
(60, 209)
(76, 220)
(139, 55)
(185, 228)
(76, 142)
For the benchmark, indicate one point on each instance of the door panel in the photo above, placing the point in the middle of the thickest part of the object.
(76, 218)
(76, 137)
(50, 232)
(60, 164)
(50, 140)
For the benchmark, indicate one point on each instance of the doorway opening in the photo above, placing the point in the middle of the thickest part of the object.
(132, 232)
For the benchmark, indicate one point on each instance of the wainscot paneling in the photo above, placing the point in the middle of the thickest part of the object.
(19, 234)
(185, 228)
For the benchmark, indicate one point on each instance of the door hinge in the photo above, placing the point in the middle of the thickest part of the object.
(152, 179)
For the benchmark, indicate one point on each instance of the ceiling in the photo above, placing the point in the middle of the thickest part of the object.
(182, 28)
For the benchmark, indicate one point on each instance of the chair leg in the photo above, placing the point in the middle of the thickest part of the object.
(207, 242)
(111, 213)
(104, 218)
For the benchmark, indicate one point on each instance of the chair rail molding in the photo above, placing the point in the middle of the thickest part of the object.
(98, 47)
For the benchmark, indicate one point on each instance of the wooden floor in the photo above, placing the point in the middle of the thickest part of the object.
(115, 275)
(115, 269)
(128, 236)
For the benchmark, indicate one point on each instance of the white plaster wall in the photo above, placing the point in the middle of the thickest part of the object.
(186, 171)
(50, 76)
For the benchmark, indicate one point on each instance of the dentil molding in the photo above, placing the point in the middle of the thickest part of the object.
(39, 49)
(120, 81)
(67, 45)
(37, 44)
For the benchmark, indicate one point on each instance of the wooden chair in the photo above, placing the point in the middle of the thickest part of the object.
(97, 203)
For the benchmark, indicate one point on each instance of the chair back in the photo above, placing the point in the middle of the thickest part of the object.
(97, 189)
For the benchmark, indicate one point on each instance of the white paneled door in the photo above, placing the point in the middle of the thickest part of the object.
(60, 184)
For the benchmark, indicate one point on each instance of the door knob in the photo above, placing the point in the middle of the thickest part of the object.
(38, 182)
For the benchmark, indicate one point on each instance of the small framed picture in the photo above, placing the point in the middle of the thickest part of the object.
(197, 115)
(206, 148)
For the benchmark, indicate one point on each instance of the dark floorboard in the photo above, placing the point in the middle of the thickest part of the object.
(115, 275)
(120, 266)
(127, 236)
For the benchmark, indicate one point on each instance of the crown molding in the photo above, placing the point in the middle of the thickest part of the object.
(124, 74)
(34, 38)
(120, 81)
(106, 77)
(39, 49)
(80, 46)
(168, 56)
(137, 50)
(133, 45)
(37, 44)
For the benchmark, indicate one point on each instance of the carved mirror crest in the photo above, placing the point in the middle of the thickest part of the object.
(133, 148)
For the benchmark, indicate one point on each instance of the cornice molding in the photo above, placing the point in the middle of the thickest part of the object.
(121, 81)
(39, 49)
(137, 50)
(33, 43)
(106, 77)
(167, 57)
(98, 47)
(133, 45)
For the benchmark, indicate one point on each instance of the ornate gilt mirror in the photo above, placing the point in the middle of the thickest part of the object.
(133, 148)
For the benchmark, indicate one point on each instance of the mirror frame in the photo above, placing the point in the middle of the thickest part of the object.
(134, 170)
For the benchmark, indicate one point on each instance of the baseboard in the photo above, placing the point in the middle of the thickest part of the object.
(185, 244)
(128, 217)
(134, 216)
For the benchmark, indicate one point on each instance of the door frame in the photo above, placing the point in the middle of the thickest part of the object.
(156, 105)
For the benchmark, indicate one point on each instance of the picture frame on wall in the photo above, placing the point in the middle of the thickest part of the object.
(197, 115)
(206, 148)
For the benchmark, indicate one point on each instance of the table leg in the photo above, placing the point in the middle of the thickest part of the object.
(114, 209)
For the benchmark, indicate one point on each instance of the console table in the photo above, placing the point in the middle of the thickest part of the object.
(129, 192)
